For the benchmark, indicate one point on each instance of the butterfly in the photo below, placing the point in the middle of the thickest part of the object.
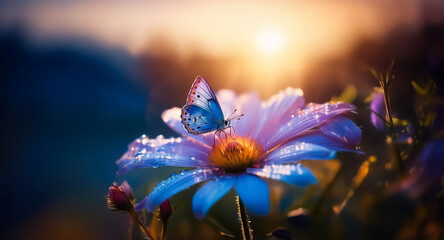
(202, 112)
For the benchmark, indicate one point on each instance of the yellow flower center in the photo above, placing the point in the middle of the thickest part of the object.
(235, 155)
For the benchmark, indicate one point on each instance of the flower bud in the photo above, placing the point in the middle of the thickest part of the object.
(120, 198)
(165, 210)
(378, 106)
(432, 159)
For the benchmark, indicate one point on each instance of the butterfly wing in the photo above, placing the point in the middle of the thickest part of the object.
(202, 113)
(197, 120)
(202, 95)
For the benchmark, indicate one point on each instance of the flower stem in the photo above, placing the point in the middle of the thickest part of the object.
(399, 162)
(164, 230)
(325, 192)
(245, 221)
(136, 218)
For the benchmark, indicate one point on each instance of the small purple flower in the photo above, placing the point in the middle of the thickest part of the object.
(378, 105)
(271, 139)
(432, 159)
(120, 198)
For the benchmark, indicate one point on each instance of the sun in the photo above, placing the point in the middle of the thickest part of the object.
(270, 41)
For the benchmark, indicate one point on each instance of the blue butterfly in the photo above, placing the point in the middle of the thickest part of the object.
(202, 112)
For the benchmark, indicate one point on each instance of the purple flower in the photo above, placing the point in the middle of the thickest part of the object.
(271, 139)
(432, 159)
(378, 105)
(120, 198)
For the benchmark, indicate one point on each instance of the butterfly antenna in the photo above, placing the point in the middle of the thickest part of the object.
(231, 117)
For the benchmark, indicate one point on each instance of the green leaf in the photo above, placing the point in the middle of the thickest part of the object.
(421, 91)
(348, 95)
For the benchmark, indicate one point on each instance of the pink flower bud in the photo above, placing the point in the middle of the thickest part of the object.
(165, 210)
(120, 198)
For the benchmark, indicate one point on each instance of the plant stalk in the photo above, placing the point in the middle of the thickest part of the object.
(399, 162)
(164, 229)
(245, 222)
(136, 218)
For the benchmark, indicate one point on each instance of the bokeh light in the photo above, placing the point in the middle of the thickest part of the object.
(270, 41)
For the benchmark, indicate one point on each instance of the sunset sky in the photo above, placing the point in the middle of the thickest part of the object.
(265, 38)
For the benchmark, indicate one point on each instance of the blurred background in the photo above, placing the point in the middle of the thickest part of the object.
(79, 80)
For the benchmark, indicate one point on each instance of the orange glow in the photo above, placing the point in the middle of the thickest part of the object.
(263, 43)
(270, 41)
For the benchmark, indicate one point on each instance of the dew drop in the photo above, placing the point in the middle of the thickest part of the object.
(160, 149)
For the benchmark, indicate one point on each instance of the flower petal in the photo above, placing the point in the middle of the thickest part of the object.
(248, 104)
(227, 100)
(141, 205)
(432, 159)
(292, 174)
(378, 106)
(172, 118)
(311, 116)
(179, 152)
(175, 184)
(277, 110)
(318, 138)
(342, 129)
(127, 189)
(210, 193)
(253, 192)
(294, 152)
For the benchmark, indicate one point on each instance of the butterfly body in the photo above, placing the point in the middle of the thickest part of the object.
(202, 112)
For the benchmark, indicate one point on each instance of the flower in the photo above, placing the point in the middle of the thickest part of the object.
(378, 106)
(271, 138)
(432, 159)
(120, 198)
(165, 210)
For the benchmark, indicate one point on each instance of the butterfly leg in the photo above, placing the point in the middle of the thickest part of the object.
(226, 136)
(231, 127)
(219, 137)
(231, 135)
(214, 142)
